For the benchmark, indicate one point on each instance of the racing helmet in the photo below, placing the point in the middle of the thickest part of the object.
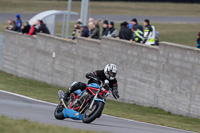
(110, 71)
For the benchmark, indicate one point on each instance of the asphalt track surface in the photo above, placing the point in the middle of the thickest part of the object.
(20, 107)
(116, 18)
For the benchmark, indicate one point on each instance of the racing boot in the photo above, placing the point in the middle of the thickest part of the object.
(75, 86)
(67, 94)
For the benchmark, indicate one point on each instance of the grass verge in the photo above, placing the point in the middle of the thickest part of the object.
(8, 125)
(118, 8)
(47, 92)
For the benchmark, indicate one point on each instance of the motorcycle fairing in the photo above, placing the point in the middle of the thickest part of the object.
(100, 100)
(77, 91)
(69, 113)
(94, 85)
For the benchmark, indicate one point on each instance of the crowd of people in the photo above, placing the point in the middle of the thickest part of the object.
(36, 26)
(133, 31)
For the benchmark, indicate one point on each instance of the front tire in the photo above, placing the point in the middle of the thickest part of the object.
(58, 112)
(90, 115)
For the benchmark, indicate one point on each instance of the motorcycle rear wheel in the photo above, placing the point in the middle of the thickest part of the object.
(90, 115)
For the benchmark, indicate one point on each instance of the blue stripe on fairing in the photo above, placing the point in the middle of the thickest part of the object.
(77, 91)
(81, 93)
(97, 99)
(94, 85)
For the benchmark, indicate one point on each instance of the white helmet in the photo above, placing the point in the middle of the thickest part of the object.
(110, 71)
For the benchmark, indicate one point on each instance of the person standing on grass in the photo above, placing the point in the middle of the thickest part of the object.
(198, 40)
(84, 31)
(125, 33)
(33, 29)
(26, 28)
(19, 21)
(42, 27)
(137, 35)
(105, 28)
(112, 31)
(149, 33)
(134, 22)
(95, 31)
(76, 32)
(9, 25)
(14, 26)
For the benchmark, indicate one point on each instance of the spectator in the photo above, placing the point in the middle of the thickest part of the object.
(42, 27)
(130, 26)
(76, 32)
(14, 26)
(157, 38)
(134, 22)
(137, 35)
(33, 29)
(105, 28)
(19, 21)
(95, 31)
(149, 33)
(125, 32)
(90, 20)
(9, 25)
(112, 32)
(90, 24)
(26, 28)
(198, 40)
(84, 31)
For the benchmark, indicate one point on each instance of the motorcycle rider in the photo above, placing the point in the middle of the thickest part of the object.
(108, 73)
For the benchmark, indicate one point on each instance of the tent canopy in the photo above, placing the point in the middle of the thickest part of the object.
(49, 18)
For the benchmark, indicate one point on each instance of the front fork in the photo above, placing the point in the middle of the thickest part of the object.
(61, 96)
(96, 99)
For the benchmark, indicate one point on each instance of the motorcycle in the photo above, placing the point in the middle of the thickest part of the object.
(84, 105)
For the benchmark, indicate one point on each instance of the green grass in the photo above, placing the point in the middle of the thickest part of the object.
(29, 88)
(8, 125)
(151, 115)
(123, 8)
(47, 92)
(185, 34)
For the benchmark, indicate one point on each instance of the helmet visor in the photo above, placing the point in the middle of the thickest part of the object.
(112, 74)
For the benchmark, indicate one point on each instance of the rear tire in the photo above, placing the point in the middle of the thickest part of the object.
(90, 115)
(58, 112)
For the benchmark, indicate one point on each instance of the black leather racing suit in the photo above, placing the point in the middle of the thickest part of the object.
(101, 76)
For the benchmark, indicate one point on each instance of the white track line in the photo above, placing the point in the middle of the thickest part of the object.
(33, 99)
(22, 96)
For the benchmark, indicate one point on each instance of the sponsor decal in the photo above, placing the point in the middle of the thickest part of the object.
(76, 114)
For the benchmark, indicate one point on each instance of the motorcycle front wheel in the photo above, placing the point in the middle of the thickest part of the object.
(58, 112)
(90, 115)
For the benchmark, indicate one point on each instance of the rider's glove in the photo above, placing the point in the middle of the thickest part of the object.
(93, 77)
(115, 93)
(106, 85)
(89, 75)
